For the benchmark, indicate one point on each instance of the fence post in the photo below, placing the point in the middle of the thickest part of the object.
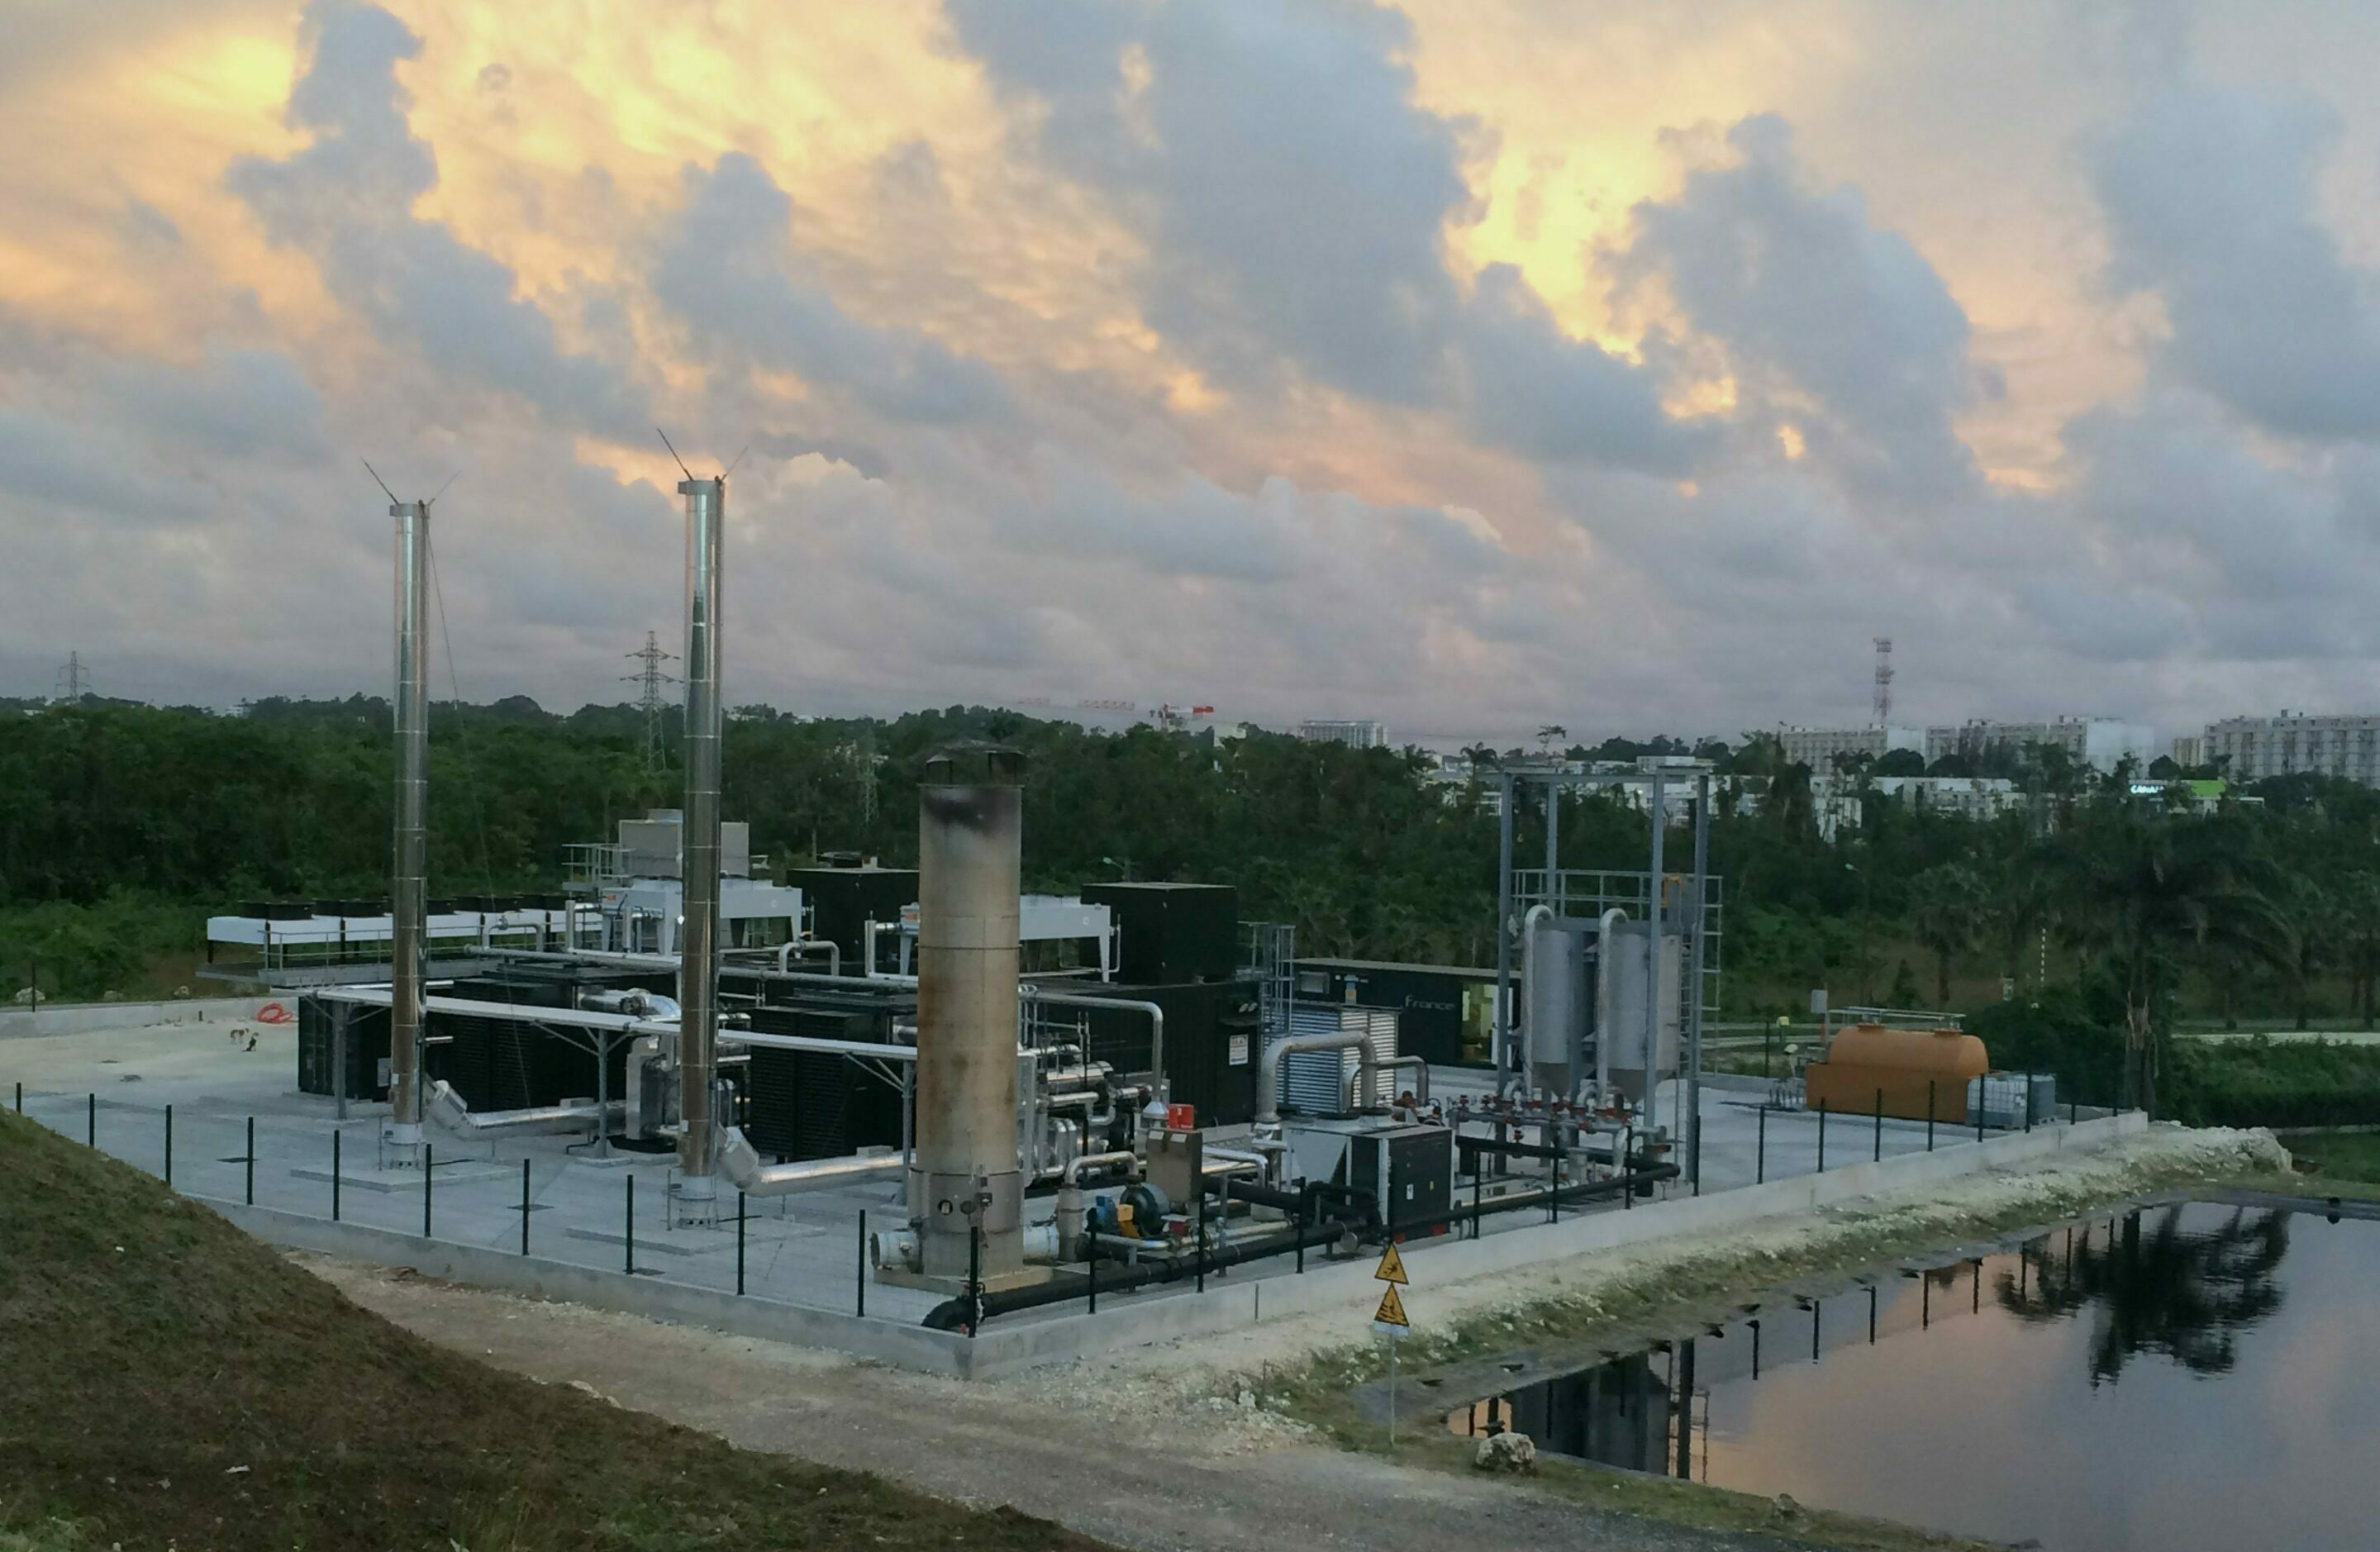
(1929, 1115)
(429, 1173)
(169, 1148)
(1091, 1264)
(859, 1271)
(337, 1137)
(1478, 1191)
(90, 1124)
(1760, 1155)
(1553, 1197)
(524, 1203)
(1980, 1096)
(1627, 1187)
(1822, 1136)
(975, 1265)
(1878, 1158)
(628, 1237)
(1202, 1237)
(250, 1160)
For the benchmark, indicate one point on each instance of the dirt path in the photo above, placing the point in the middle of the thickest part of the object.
(1159, 1476)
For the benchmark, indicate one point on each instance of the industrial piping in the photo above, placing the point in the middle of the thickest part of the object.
(965, 1190)
(1159, 1087)
(697, 1143)
(1268, 1072)
(409, 896)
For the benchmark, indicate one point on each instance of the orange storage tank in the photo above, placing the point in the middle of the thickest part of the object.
(1868, 1059)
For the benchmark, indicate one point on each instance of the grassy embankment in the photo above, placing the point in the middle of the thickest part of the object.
(167, 1381)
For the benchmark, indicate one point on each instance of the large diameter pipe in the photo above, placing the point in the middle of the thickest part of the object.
(741, 1164)
(697, 1143)
(965, 1176)
(1159, 1086)
(409, 893)
(1268, 1070)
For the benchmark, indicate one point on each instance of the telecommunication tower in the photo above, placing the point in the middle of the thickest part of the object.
(1883, 680)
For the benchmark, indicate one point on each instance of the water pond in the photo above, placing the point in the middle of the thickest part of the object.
(2188, 1378)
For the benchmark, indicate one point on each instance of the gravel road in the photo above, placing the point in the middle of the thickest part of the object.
(1164, 1477)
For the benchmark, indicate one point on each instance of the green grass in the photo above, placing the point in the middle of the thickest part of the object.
(2337, 1159)
(167, 1381)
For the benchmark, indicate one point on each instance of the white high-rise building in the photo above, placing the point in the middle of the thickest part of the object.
(1819, 747)
(2253, 748)
(2101, 742)
(1363, 732)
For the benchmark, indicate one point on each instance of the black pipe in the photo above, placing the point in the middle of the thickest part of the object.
(951, 1315)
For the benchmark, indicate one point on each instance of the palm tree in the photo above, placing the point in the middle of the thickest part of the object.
(1946, 914)
(2143, 889)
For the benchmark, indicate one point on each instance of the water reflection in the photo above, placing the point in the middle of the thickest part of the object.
(2184, 1293)
(1938, 1403)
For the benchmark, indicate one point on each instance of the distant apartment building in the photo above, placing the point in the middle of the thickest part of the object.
(1363, 732)
(2188, 750)
(1838, 802)
(2101, 742)
(1820, 748)
(2252, 748)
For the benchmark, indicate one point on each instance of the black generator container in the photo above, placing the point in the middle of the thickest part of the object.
(1172, 933)
(844, 900)
(1212, 1040)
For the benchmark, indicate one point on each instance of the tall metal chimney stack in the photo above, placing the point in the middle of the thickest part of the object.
(410, 895)
(697, 1143)
(969, 838)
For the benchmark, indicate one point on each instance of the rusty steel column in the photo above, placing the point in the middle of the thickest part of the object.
(964, 1174)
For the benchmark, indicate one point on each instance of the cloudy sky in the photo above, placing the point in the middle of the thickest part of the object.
(1469, 364)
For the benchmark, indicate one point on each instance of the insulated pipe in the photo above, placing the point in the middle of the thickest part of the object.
(785, 952)
(697, 1143)
(1155, 1014)
(1505, 1063)
(1268, 1072)
(745, 1172)
(1530, 1035)
(1606, 980)
(1657, 911)
(409, 897)
(449, 1110)
(964, 1188)
(1419, 1064)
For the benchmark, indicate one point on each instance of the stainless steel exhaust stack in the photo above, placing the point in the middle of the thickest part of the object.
(410, 896)
(697, 1143)
(964, 1175)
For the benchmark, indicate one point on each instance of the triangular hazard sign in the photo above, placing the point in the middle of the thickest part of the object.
(1392, 1267)
(1393, 1309)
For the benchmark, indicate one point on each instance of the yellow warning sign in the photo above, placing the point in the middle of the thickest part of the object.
(1393, 1309)
(1391, 1268)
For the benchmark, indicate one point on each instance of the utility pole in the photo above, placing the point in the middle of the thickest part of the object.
(74, 680)
(652, 679)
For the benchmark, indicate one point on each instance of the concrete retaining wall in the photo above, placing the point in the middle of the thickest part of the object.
(80, 1018)
(906, 1346)
(1349, 1285)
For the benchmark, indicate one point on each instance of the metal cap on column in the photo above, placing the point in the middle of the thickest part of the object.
(964, 1173)
(410, 892)
(698, 1145)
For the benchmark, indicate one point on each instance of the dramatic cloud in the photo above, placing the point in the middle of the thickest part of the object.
(730, 271)
(1474, 366)
(2211, 197)
(1816, 304)
(347, 199)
